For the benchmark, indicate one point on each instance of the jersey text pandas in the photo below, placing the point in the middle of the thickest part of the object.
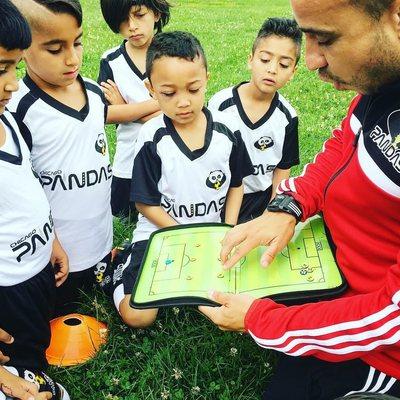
(30, 242)
(192, 210)
(73, 181)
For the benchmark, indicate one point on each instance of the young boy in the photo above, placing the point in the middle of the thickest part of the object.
(124, 66)
(187, 160)
(27, 241)
(267, 121)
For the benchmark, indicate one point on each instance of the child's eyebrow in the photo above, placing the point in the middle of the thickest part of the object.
(60, 41)
(282, 56)
(9, 62)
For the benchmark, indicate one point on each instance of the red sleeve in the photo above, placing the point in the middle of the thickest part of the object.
(308, 189)
(334, 330)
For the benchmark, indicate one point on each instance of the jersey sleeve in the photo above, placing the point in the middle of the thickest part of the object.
(334, 330)
(308, 189)
(290, 151)
(146, 172)
(239, 161)
(105, 71)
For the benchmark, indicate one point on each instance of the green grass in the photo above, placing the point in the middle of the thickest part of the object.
(184, 356)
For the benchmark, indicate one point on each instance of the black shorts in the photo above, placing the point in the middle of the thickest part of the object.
(25, 312)
(121, 206)
(308, 378)
(130, 274)
(67, 295)
(254, 204)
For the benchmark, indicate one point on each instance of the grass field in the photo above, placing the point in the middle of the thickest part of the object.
(184, 356)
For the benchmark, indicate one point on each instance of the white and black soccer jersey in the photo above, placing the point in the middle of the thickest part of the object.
(191, 186)
(69, 152)
(26, 225)
(118, 66)
(272, 142)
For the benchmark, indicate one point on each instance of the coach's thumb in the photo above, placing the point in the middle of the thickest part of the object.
(219, 297)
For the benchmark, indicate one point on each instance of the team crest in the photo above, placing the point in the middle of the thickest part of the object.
(394, 128)
(264, 143)
(100, 145)
(216, 179)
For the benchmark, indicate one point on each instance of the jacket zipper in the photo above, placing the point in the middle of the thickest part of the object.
(345, 165)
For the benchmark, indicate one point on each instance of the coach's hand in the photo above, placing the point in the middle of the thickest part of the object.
(230, 316)
(6, 338)
(272, 229)
(59, 259)
(18, 388)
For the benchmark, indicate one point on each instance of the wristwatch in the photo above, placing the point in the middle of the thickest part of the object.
(285, 203)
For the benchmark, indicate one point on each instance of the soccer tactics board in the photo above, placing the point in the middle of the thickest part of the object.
(182, 264)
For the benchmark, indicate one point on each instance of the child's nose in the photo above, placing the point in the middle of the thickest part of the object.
(272, 67)
(72, 57)
(12, 85)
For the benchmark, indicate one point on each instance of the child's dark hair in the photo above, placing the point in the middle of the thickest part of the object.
(174, 44)
(117, 11)
(71, 7)
(282, 27)
(14, 28)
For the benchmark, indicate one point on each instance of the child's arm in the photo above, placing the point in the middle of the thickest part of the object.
(112, 93)
(233, 202)
(118, 114)
(277, 177)
(156, 214)
(16, 387)
(60, 262)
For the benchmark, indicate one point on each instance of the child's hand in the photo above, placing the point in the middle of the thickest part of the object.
(18, 388)
(59, 259)
(6, 338)
(112, 93)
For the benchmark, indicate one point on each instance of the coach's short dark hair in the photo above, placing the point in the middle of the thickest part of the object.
(117, 11)
(282, 27)
(71, 7)
(174, 44)
(375, 8)
(14, 29)
(368, 396)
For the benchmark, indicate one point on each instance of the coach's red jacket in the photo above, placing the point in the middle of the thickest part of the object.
(355, 182)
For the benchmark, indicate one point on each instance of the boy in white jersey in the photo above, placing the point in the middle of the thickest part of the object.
(61, 116)
(188, 163)
(125, 66)
(27, 242)
(268, 123)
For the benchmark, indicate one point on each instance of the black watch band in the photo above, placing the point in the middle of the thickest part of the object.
(285, 203)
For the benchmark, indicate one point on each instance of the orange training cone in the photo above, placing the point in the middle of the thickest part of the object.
(75, 338)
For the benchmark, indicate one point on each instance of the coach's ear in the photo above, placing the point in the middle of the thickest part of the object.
(394, 11)
(149, 87)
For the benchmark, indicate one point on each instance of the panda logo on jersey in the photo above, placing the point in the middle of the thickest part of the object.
(100, 145)
(216, 179)
(264, 143)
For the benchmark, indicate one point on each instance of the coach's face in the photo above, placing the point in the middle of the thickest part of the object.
(347, 46)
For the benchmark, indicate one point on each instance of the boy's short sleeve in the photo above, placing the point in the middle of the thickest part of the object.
(290, 151)
(146, 174)
(105, 71)
(239, 161)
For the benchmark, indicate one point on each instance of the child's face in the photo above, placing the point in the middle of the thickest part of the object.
(138, 28)
(273, 63)
(9, 60)
(179, 85)
(55, 56)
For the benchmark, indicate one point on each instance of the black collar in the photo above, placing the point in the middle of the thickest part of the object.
(131, 64)
(192, 155)
(242, 112)
(17, 160)
(51, 101)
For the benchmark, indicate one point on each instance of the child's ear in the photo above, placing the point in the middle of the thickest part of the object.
(157, 16)
(149, 87)
(249, 61)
